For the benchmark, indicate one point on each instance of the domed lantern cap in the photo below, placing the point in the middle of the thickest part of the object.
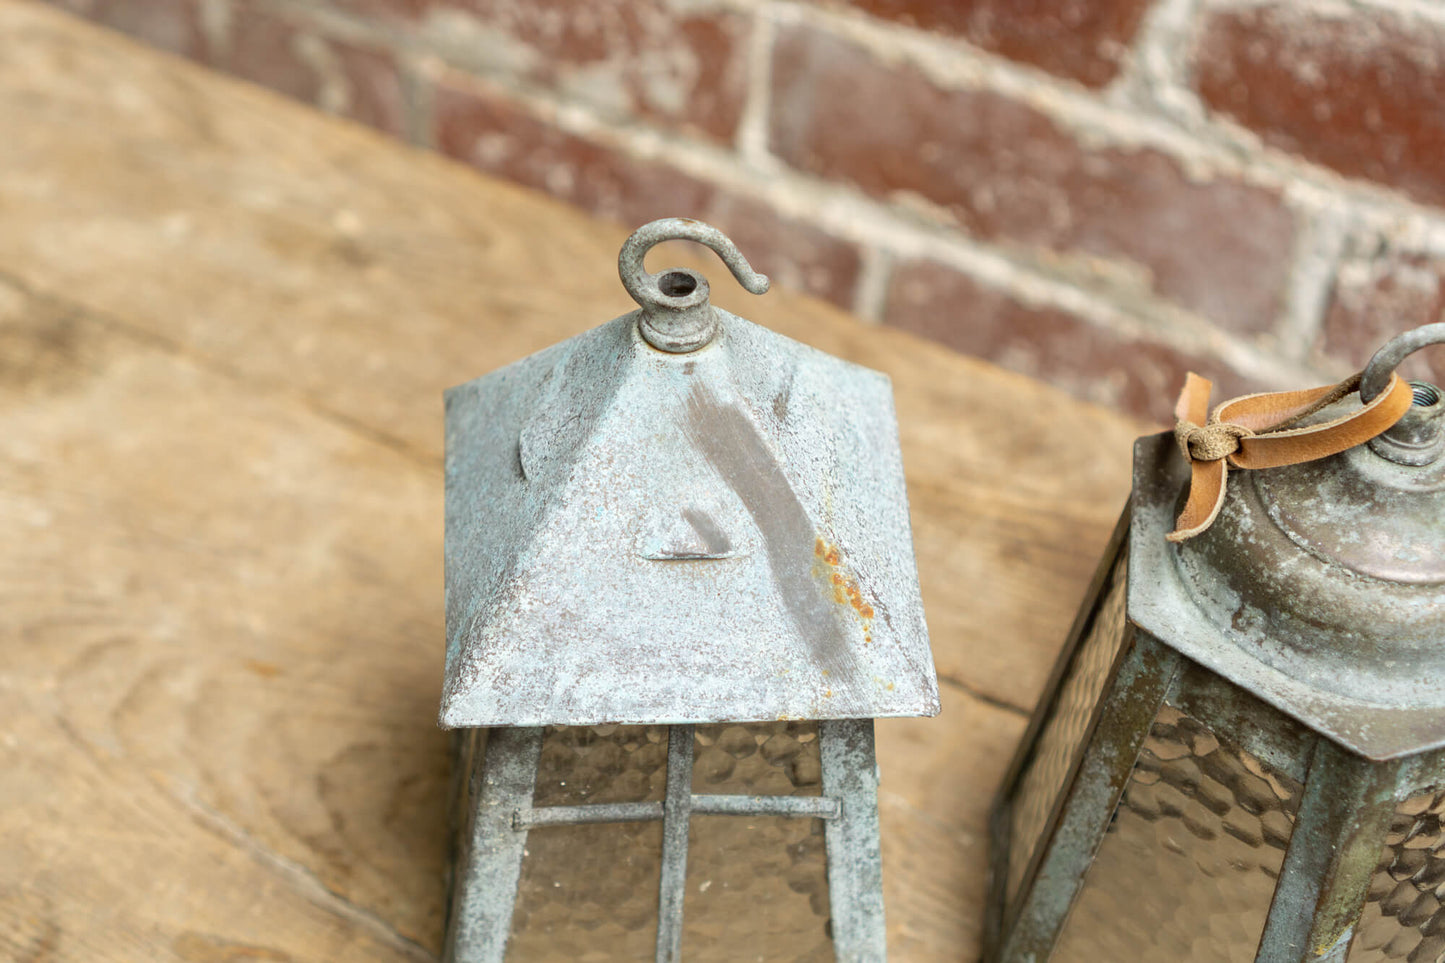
(1320, 587)
(678, 517)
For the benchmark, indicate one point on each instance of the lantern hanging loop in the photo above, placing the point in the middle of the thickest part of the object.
(1264, 431)
(1376, 376)
(1418, 438)
(676, 315)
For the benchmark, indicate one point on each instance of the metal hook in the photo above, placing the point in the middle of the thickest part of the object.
(676, 315)
(1376, 376)
(1417, 438)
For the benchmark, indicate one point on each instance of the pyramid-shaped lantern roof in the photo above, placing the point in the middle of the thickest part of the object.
(679, 517)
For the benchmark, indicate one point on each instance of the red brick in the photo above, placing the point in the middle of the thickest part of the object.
(493, 133)
(173, 25)
(294, 59)
(680, 65)
(1376, 299)
(1085, 40)
(1006, 172)
(1357, 89)
(1048, 343)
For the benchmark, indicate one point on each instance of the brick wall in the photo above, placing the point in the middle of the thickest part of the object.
(1101, 193)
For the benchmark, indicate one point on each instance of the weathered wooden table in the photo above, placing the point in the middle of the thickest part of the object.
(225, 326)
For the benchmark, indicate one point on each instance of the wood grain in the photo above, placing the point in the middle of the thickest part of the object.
(225, 325)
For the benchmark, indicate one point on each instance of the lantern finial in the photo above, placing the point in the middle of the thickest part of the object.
(676, 315)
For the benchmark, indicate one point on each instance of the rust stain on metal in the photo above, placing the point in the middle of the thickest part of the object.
(845, 588)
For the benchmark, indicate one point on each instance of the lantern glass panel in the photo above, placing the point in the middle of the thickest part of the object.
(592, 889)
(588, 892)
(758, 758)
(757, 889)
(1189, 864)
(1403, 918)
(1063, 736)
(757, 886)
(580, 765)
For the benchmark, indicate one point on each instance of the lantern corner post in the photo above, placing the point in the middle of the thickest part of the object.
(488, 865)
(1000, 837)
(1145, 675)
(1343, 819)
(1001, 810)
(855, 860)
(676, 820)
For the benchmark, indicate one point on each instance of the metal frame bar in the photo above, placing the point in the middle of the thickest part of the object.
(677, 816)
(855, 860)
(637, 812)
(485, 889)
(1130, 704)
(1343, 818)
(815, 807)
(1003, 913)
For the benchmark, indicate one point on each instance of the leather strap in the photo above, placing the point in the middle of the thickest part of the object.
(1253, 431)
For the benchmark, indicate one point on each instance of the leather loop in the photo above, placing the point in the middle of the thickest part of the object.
(1253, 431)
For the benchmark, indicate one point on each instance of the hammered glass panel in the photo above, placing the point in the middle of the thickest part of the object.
(1062, 737)
(1189, 864)
(1403, 918)
(758, 758)
(757, 887)
(589, 892)
(757, 890)
(601, 764)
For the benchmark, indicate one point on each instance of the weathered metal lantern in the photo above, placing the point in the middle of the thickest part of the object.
(680, 586)
(1241, 754)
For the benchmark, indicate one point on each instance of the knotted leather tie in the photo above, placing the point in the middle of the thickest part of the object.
(1253, 431)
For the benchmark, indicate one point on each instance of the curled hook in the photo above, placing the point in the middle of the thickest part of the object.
(676, 315)
(1376, 376)
(1418, 438)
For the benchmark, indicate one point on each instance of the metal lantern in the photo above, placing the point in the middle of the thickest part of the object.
(680, 586)
(1241, 753)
